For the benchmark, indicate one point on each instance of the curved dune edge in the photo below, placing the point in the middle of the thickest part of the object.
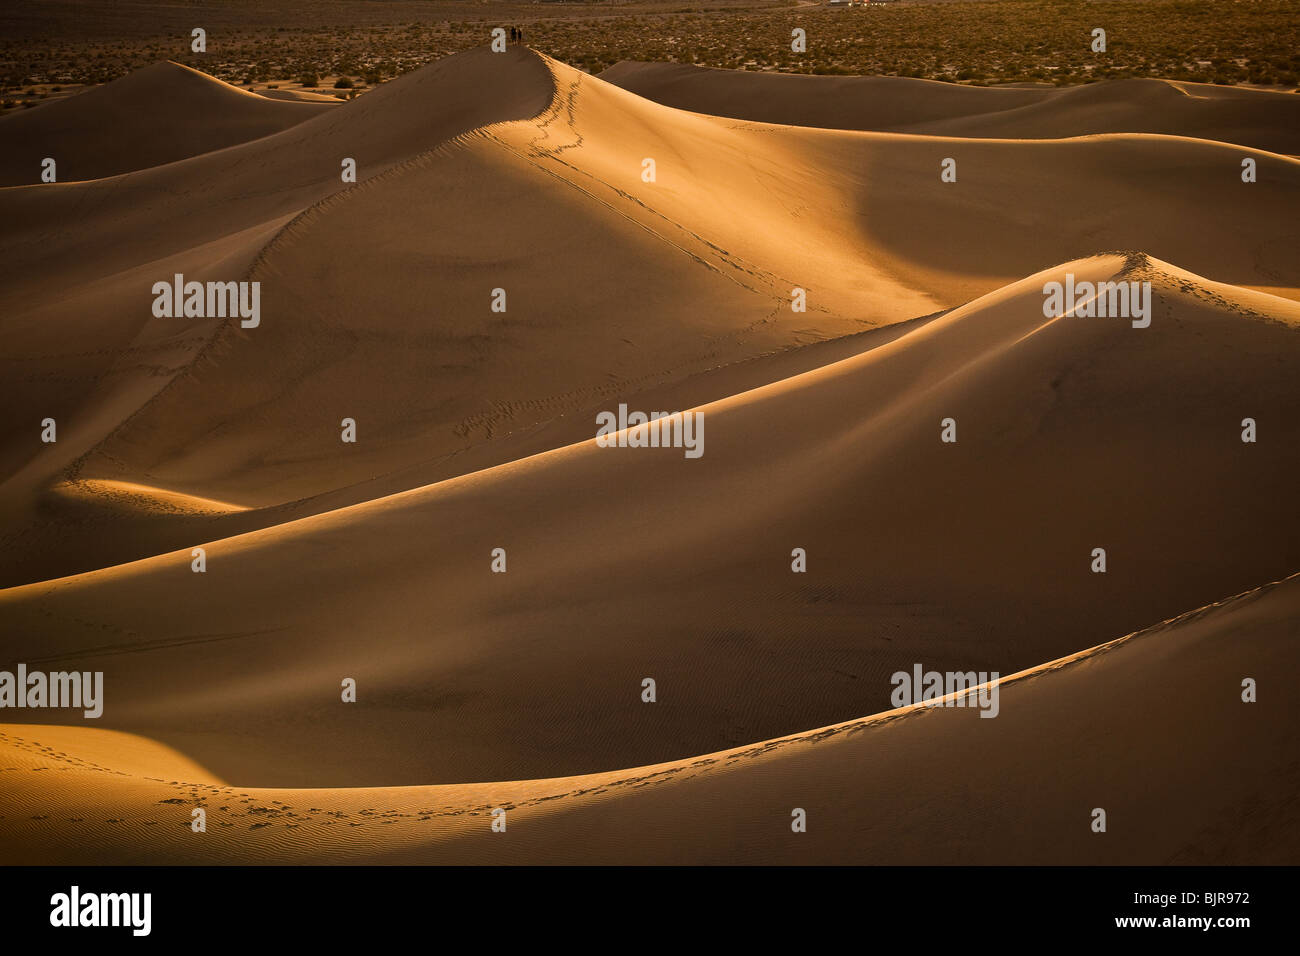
(61, 781)
(1261, 119)
(298, 96)
(138, 497)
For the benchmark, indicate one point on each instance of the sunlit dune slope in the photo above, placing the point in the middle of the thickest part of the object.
(142, 498)
(1150, 728)
(1074, 433)
(298, 96)
(156, 115)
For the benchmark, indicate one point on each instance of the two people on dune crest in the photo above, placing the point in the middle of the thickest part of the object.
(516, 34)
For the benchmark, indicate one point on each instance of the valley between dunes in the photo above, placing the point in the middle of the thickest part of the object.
(522, 690)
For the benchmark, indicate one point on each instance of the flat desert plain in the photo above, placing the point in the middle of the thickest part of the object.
(364, 585)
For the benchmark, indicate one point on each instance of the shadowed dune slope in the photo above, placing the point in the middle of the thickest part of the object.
(939, 785)
(1259, 119)
(1074, 433)
(156, 115)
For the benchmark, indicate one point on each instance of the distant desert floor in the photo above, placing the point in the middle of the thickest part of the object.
(526, 246)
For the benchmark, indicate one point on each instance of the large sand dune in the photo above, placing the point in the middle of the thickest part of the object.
(157, 115)
(822, 430)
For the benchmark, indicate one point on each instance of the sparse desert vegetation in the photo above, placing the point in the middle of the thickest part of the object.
(976, 42)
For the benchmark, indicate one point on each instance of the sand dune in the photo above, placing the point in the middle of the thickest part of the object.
(661, 282)
(822, 431)
(1255, 118)
(153, 116)
(933, 785)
